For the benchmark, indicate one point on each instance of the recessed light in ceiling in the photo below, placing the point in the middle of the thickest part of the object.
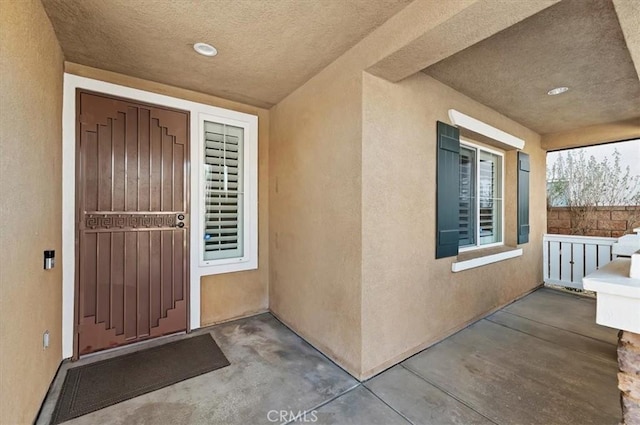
(557, 90)
(205, 49)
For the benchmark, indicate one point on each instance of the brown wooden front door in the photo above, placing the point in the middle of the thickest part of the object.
(132, 220)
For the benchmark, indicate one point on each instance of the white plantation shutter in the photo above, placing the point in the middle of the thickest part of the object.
(467, 196)
(480, 206)
(490, 198)
(224, 191)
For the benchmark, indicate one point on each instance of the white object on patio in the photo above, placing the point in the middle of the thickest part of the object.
(618, 295)
(617, 285)
(634, 271)
(628, 244)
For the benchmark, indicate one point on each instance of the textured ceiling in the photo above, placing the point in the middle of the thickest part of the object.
(266, 48)
(576, 43)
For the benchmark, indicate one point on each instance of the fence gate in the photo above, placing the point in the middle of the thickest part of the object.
(567, 259)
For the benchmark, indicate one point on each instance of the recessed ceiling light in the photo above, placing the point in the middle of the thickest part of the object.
(205, 49)
(557, 90)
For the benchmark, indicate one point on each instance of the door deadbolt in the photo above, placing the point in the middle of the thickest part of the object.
(180, 216)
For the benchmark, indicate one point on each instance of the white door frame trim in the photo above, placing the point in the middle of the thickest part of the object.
(73, 82)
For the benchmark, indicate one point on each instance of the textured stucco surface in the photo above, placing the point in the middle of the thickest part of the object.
(346, 229)
(409, 299)
(628, 12)
(315, 192)
(575, 43)
(266, 48)
(331, 280)
(315, 214)
(593, 135)
(230, 295)
(30, 207)
(458, 32)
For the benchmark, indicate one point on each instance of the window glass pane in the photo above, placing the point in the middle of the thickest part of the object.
(223, 191)
(490, 198)
(467, 196)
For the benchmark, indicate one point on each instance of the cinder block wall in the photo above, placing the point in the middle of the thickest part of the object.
(604, 221)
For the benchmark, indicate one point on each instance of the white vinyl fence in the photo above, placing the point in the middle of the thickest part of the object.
(567, 259)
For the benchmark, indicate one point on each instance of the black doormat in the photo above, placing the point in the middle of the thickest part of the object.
(98, 385)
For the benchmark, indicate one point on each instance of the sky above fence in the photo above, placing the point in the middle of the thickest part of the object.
(630, 154)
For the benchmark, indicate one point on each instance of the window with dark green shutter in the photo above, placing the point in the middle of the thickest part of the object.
(447, 190)
(470, 194)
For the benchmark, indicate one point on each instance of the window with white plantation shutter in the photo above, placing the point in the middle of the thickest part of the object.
(490, 197)
(223, 191)
(225, 178)
(481, 204)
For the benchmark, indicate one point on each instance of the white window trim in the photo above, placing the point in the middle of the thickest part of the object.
(502, 139)
(469, 144)
(249, 260)
(484, 260)
(73, 82)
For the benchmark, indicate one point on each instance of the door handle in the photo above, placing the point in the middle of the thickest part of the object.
(181, 224)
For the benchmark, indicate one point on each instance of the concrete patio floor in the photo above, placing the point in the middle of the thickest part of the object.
(540, 360)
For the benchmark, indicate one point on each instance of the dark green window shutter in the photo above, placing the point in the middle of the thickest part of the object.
(523, 197)
(447, 191)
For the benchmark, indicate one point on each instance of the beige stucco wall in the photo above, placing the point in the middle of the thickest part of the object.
(30, 207)
(330, 278)
(315, 191)
(409, 299)
(231, 295)
(315, 214)
(593, 135)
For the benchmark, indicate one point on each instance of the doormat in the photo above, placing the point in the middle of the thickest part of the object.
(98, 385)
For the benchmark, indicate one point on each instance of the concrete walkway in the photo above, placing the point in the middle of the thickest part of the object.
(541, 360)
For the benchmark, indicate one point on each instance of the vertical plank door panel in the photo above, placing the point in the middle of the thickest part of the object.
(132, 186)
